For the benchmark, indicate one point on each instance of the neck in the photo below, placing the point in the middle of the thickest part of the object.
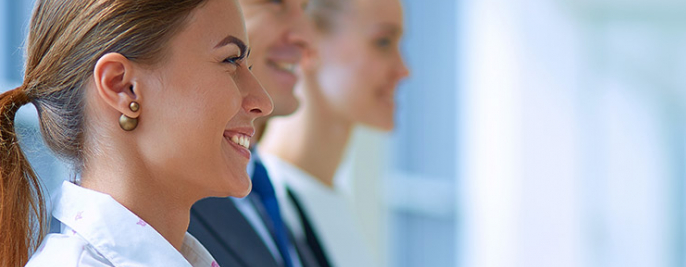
(313, 139)
(153, 199)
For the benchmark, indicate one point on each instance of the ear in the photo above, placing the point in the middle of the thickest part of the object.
(115, 83)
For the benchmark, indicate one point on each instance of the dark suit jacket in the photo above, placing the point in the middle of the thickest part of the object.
(231, 239)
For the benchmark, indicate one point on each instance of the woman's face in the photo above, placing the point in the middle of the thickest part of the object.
(360, 63)
(200, 103)
(279, 32)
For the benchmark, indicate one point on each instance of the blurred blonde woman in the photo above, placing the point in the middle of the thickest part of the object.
(152, 101)
(348, 78)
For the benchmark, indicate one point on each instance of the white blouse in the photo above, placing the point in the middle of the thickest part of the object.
(98, 231)
(328, 210)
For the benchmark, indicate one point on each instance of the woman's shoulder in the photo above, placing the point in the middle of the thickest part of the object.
(66, 250)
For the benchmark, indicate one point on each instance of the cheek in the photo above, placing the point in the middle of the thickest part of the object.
(187, 124)
(357, 89)
(207, 103)
(214, 106)
(351, 83)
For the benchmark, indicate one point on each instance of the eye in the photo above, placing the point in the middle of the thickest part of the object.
(383, 43)
(233, 60)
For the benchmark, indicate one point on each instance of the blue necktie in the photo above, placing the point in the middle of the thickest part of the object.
(262, 186)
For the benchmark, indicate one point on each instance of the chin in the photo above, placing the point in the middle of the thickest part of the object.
(242, 188)
(387, 128)
(286, 105)
(382, 125)
(284, 110)
(243, 193)
(233, 186)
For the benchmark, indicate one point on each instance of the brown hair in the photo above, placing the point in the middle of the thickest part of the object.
(66, 39)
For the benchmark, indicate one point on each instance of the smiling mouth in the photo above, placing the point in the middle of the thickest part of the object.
(241, 140)
(284, 66)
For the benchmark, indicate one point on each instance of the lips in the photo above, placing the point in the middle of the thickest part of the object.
(284, 58)
(282, 75)
(239, 138)
(283, 66)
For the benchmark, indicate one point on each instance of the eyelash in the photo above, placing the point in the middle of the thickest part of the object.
(233, 60)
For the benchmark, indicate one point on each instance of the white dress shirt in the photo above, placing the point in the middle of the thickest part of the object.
(327, 209)
(98, 231)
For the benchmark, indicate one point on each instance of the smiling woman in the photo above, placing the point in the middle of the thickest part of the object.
(152, 103)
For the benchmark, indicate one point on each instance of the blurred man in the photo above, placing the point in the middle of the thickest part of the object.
(250, 231)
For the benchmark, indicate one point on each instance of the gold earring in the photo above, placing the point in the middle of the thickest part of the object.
(134, 106)
(128, 123)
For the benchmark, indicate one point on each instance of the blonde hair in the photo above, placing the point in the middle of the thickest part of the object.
(66, 39)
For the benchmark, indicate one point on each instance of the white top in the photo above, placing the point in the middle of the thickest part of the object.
(98, 231)
(328, 210)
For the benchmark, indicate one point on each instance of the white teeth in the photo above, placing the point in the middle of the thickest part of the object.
(243, 141)
(289, 67)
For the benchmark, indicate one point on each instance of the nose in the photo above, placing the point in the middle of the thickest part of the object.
(301, 33)
(256, 102)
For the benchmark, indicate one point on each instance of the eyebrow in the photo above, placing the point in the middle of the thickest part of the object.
(234, 40)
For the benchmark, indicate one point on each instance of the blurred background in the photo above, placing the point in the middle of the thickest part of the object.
(531, 133)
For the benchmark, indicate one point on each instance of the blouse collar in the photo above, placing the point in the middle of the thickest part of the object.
(119, 235)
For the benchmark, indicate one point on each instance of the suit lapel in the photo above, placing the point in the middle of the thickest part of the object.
(229, 237)
(307, 258)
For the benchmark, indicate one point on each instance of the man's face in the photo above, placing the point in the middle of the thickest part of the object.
(279, 32)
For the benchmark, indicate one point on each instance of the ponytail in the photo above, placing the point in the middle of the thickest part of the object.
(66, 39)
(21, 201)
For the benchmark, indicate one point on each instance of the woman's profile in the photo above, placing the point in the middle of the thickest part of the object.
(153, 103)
